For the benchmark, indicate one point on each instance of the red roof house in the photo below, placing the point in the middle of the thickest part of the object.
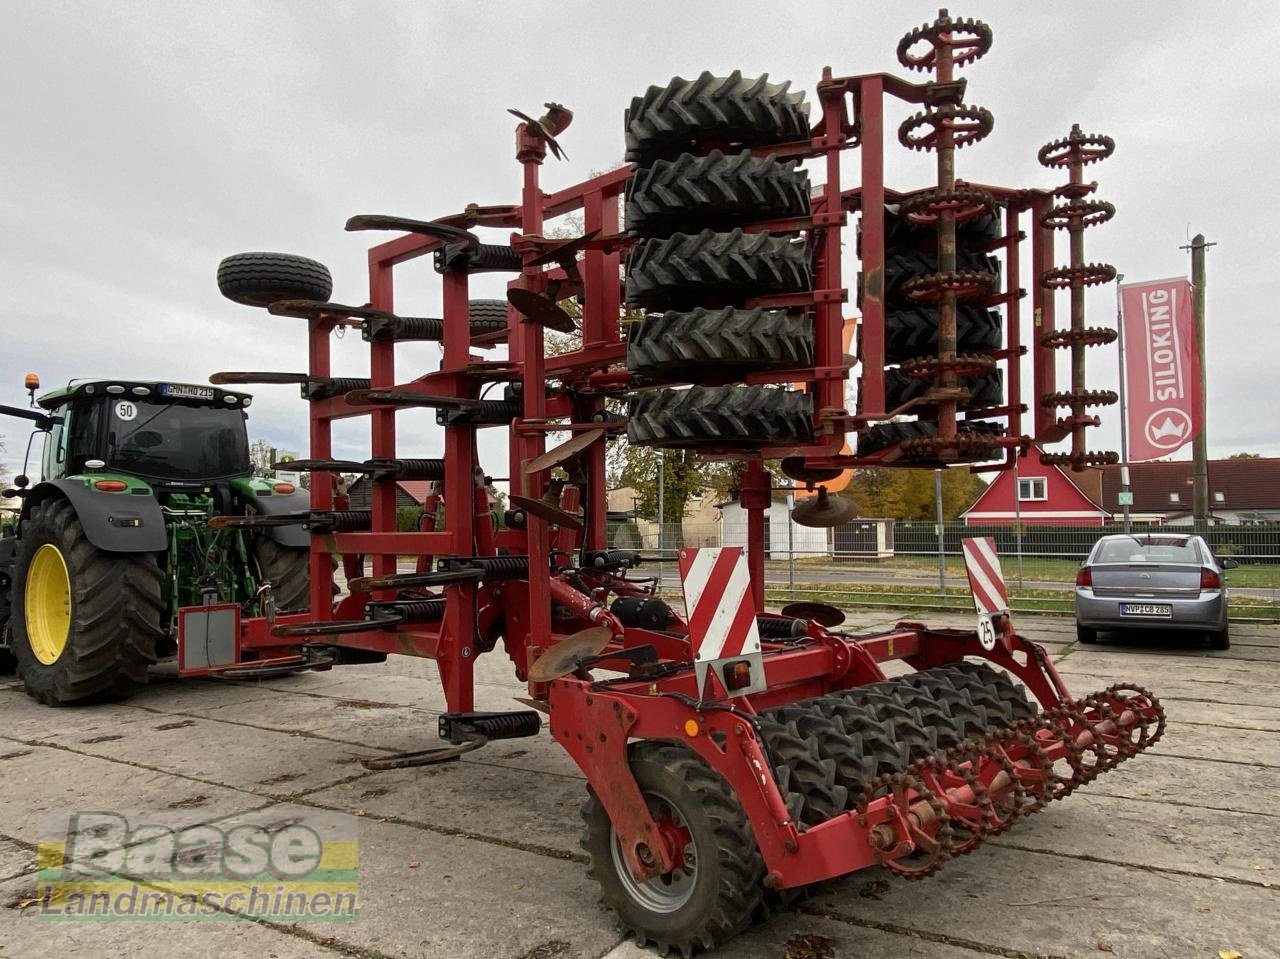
(1043, 495)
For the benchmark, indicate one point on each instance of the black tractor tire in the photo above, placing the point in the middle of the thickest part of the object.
(687, 347)
(746, 417)
(984, 391)
(116, 613)
(686, 116)
(488, 316)
(287, 569)
(884, 435)
(711, 269)
(914, 332)
(728, 870)
(715, 192)
(901, 233)
(260, 279)
(901, 267)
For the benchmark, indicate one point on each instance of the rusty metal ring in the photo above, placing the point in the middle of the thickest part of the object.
(1073, 398)
(964, 365)
(967, 39)
(1076, 147)
(962, 202)
(1089, 336)
(1081, 460)
(1077, 213)
(962, 284)
(966, 124)
(1085, 274)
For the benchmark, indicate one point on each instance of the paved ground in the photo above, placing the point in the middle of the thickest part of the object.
(1173, 856)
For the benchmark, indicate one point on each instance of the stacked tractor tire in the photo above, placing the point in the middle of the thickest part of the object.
(697, 265)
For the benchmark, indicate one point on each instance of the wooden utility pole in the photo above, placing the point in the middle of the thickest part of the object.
(1200, 445)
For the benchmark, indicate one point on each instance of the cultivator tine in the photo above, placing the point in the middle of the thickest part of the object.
(241, 378)
(820, 613)
(439, 577)
(546, 511)
(562, 453)
(313, 466)
(540, 309)
(431, 228)
(259, 521)
(548, 126)
(565, 255)
(403, 398)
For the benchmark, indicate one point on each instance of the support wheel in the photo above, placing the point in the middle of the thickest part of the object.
(711, 896)
(288, 570)
(1086, 634)
(85, 622)
(259, 279)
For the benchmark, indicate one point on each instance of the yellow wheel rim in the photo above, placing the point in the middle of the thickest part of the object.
(48, 602)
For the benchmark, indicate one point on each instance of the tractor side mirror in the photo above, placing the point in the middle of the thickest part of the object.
(1230, 564)
(21, 481)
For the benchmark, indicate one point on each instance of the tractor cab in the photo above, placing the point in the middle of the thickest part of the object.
(167, 434)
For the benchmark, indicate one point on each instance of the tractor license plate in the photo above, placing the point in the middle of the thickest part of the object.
(1145, 609)
(182, 390)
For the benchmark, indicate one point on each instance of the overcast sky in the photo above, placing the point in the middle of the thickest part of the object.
(142, 142)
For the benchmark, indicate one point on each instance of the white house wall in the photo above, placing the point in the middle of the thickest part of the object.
(805, 540)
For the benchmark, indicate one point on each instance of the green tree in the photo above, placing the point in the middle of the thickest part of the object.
(910, 494)
(1245, 456)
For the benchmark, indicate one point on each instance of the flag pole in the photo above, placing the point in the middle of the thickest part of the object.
(1124, 414)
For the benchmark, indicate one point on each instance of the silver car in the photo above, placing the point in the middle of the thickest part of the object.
(1159, 581)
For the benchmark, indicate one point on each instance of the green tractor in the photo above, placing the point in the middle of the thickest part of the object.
(113, 556)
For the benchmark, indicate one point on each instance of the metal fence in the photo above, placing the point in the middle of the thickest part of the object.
(924, 569)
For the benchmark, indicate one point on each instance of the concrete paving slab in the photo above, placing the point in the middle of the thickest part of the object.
(24, 933)
(44, 781)
(1259, 717)
(1159, 835)
(1172, 779)
(1221, 666)
(423, 894)
(1249, 746)
(522, 807)
(1050, 905)
(260, 762)
(1174, 687)
(15, 859)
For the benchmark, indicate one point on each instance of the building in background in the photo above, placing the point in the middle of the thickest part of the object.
(1042, 495)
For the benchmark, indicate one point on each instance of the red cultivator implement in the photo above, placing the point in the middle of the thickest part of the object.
(732, 754)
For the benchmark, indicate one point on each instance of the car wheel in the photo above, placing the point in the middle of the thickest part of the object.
(1221, 639)
(1086, 634)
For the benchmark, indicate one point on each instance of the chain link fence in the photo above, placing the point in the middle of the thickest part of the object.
(905, 565)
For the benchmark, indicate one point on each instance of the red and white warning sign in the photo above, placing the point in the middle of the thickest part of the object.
(721, 612)
(986, 582)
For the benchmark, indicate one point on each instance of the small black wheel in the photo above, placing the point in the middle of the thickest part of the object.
(260, 279)
(745, 417)
(85, 622)
(1221, 639)
(686, 116)
(711, 894)
(676, 347)
(1086, 634)
(488, 316)
(715, 191)
(287, 569)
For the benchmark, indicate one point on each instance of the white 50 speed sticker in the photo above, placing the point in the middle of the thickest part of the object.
(126, 410)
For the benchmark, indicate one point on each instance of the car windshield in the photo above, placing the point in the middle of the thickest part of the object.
(177, 441)
(1137, 549)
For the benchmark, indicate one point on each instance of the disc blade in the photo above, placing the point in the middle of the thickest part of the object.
(545, 511)
(567, 655)
(824, 512)
(538, 309)
(820, 613)
(565, 451)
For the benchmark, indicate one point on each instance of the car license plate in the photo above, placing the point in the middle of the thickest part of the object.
(1145, 609)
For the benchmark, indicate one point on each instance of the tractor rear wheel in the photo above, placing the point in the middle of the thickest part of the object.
(85, 622)
(260, 279)
(715, 191)
(684, 271)
(687, 116)
(717, 885)
(675, 347)
(743, 417)
(288, 570)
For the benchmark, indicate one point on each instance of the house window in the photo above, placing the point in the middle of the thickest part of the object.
(1175, 498)
(1032, 489)
(1219, 497)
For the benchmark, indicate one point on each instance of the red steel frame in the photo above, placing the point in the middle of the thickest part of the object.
(595, 721)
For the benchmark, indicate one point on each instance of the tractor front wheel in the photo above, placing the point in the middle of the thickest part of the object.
(288, 570)
(711, 894)
(85, 622)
